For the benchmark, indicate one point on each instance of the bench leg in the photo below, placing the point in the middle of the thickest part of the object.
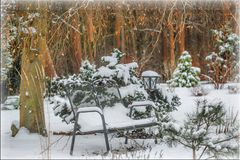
(130, 115)
(106, 141)
(126, 138)
(74, 134)
(105, 133)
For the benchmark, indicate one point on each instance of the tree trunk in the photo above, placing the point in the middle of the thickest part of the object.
(165, 54)
(33, 76)
(31, 91)
(119, 29)
(42, 26)
(181, 38)
(172, 46)
(90, 30)
(236, 28)
(76, 44)
(226, 12)
(122, 40)
(194, 153)
(47, 60)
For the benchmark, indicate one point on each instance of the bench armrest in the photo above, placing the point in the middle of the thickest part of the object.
(89, 109)
(141, 104)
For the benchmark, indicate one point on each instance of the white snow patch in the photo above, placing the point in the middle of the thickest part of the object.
(28, 145)
(150, 73)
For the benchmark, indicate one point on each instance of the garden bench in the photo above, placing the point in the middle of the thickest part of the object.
(94, 112)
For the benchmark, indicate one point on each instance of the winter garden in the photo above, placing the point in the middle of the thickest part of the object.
(120, 80)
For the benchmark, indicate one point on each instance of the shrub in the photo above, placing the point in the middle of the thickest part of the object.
(131, 87)
(207, 130)
(223, 63)
(185, 75)
(199, 91)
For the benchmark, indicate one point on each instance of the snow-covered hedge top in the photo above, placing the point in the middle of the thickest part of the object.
(130, 86)
(104, 72)
(130, 90)
(114, 58)
(120, 71)
(150, 73)
(124, 74)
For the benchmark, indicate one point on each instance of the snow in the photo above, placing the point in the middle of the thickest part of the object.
(212, 56)
(199, 133)
(150, 73)
(115, 117)
(27, 145)
(10, 103)
(104, 72)
(188, 100)
(15, 123)
(143, 103)
(32, 30)
(90, 109)
(112, 60)
(196, 69)
(131, 89)
(123, 72)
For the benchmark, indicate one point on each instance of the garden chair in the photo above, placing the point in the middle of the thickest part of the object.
(90, 103)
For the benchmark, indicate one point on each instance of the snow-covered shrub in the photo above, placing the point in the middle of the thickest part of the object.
(223, 63)
(207, 130)
(6, 60)
(166, 103)
(130, 86)
(11, 103)
(233, 89)
(199, 91)
(8, 35)
(62, 87)
(185, 75)
(123, 74)
(58, 83)
(87, 70)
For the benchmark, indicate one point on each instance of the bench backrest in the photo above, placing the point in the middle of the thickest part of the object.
(107, 93)
(100, 93)
(81, 95)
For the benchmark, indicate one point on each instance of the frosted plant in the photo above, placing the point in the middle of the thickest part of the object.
(123, 74)
(185, 75)
(87, 70)
(130, 86)
(223, 63)
(208, 130)
(9, 33)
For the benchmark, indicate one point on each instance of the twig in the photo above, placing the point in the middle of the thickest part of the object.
(52, 144)
(226, 139)
(71, 26)
(66, 143)
(202, 152)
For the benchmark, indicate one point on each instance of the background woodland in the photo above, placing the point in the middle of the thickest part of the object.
(154, 34)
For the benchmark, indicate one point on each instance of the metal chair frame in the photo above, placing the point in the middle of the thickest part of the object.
(105, 131)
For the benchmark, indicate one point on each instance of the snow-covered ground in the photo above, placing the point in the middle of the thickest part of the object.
(26, 145)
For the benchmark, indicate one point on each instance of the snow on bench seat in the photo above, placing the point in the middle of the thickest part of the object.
(121, 125)
(116, 118)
